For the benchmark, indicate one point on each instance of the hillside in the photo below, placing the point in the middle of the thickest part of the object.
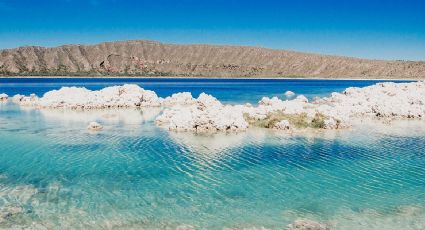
(147, 58)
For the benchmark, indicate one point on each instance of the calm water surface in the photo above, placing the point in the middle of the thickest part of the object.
(226, 90)
(55, 174)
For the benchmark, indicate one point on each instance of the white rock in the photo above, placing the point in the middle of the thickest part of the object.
(3, 97)
(301, 98)
(82, 98)
(330, 123)
(282, 125)
(207, 101)
(289, 93)
(94, 126)
(184, 98)
(387, 100)
(17, 98)
(206, 115)
(31, 100)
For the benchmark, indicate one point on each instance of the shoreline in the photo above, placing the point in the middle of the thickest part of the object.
(213, 78)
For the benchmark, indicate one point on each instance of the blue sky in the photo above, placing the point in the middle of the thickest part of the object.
(378, 29)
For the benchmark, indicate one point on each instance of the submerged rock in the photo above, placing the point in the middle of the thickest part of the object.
(3, 97)
(246, 228)
(185, 227)
(9, 211)
(94, 126)
(13, 200)
(306, 225)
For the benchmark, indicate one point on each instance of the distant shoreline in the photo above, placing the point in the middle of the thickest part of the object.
(155, 59)
(217, 78)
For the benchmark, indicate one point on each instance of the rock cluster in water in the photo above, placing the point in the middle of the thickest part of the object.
(207, 114)
(110, 97)
(204, 114)
(383, 100)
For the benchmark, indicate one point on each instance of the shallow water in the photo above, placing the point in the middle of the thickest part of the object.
(56, 174)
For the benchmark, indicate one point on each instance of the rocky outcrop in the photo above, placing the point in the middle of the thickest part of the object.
(383, 100)
(289, 94)
(205, 114)
(81, 98)
(3, 97)
(184, 98)
(22, 100)
(400, 100)
(148, 58)
(182, 112)
(282, 125)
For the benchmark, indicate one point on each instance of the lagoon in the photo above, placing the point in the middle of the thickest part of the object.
(54, 173)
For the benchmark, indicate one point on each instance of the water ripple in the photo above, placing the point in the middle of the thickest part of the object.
(139, 176)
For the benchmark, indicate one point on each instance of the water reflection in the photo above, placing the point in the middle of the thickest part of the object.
(122, 116)
(218, 145)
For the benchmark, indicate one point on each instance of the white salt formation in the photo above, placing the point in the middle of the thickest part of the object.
(206, 114)
(22, 100)
(82, 98)
(94, 126)
(3, 97)
(388, 100)
(289, 93)
(125, 96)
(282, 125)
(184, 98)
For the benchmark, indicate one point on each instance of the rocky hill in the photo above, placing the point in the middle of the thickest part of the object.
(148, 58)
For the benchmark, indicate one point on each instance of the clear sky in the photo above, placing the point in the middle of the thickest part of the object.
(378, 29)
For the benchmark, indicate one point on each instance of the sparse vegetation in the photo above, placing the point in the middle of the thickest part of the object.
(297, 120)
(318, 121)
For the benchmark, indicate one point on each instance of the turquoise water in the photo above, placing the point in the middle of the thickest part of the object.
(134, 175)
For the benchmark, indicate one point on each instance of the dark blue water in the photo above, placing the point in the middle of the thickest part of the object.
(226, 90)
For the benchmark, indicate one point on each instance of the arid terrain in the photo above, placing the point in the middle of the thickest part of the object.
(149, 58)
